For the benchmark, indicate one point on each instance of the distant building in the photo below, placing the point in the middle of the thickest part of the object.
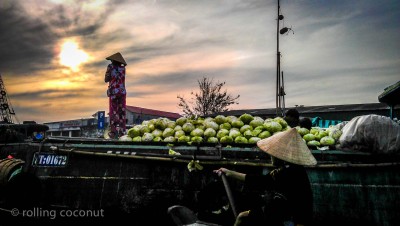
(136, 115)
(87, 127)
(72, 128)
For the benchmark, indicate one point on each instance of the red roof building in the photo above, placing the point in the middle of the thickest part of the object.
(136, 115)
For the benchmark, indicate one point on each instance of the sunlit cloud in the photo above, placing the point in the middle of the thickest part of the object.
(72, 56)
(341, 52)
(187, 62)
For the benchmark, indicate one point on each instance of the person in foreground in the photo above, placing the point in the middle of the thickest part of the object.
(287, 197)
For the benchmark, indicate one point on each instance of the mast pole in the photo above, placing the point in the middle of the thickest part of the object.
(283, 96)
(278, 54)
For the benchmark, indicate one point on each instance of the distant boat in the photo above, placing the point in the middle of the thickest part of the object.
(28, 131)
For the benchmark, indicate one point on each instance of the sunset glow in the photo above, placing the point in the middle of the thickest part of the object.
(54, 52)
(71, 56)
(62, 84)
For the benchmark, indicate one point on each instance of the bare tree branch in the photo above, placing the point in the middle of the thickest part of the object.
(211, 99)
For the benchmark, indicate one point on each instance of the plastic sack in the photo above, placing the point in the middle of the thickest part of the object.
(371, 133)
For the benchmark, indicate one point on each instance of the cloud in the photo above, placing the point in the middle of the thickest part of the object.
(25, 43)
(340, 52)
(51, 94)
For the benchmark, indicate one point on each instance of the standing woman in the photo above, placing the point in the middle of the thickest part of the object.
(115, 76)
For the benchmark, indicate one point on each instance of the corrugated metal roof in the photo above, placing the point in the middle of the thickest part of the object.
(140, 110)
(343, 108)
(315, 109)
(391, 95)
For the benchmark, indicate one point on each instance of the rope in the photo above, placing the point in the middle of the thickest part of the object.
(177, 159)
(5, 210)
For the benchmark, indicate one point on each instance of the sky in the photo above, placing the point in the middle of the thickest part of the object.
(52, 52)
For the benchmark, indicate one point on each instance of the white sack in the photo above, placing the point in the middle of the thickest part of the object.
(371, 133)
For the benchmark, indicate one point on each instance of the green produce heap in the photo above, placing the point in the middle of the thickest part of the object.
(229, 130)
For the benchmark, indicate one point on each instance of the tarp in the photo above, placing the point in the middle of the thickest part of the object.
(324, 123)
(371, 133)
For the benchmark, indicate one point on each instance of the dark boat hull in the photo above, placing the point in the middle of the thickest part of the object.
(142, 181)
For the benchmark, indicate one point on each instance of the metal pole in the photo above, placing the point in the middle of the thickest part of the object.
(391, 111)
(283, 96)
(279, 88)
(277, 60)
(229, 193)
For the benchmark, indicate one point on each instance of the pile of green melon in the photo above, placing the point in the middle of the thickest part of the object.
(246, 129)
(317, 137)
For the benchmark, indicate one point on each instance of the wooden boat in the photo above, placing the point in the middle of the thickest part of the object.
(11, 133)
(140, 181)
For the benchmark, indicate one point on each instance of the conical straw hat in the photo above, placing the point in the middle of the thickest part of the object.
(117, 57)
(288, 146)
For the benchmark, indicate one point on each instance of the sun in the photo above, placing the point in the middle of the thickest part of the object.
(71, 56)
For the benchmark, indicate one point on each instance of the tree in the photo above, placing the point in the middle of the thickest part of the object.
(211, 99)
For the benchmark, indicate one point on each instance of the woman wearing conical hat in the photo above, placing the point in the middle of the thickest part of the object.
(115, 76)
(287, 196)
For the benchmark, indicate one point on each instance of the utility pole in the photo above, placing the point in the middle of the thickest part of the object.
(278, 56)
(280, 92)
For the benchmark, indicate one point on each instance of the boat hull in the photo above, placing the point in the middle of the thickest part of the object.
(142, 182)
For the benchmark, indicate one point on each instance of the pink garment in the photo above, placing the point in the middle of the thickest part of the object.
(115, 75)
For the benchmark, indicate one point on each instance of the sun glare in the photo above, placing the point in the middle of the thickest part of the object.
(71, 56)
